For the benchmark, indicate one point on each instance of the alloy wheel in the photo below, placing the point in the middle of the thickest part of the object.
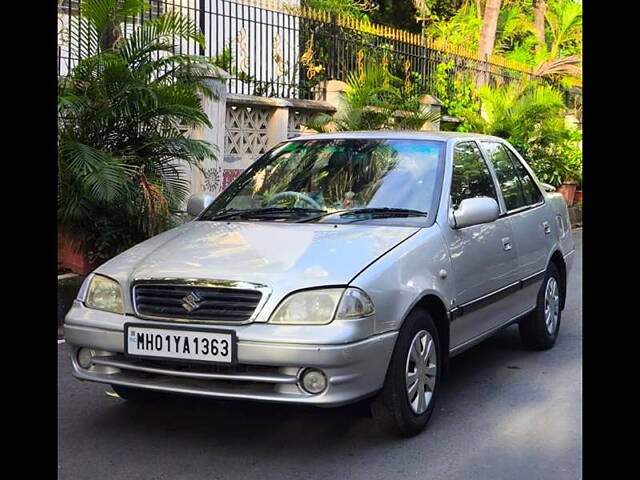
(551, 305)
(421, 371)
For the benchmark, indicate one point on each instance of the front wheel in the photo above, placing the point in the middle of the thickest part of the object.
(539, 330)
(406, 401)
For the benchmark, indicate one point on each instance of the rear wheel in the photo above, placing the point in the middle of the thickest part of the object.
(539, 330)
(406, 401)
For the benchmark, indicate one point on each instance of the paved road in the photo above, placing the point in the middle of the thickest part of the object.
(504, 413)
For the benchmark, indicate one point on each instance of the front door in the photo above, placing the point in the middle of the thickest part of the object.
(483, 257)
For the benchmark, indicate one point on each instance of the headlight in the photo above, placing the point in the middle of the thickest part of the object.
(354, 304)
(104, 294)
(319, 307)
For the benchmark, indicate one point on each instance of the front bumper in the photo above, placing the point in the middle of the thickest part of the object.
(266, 370)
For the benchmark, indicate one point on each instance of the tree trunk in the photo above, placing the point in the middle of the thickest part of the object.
(109, 36)
(539, 8)
(489, 25)
(488, 37)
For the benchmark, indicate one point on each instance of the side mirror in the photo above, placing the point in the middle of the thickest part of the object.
(547, 187)
(474, 211)
(198, 202)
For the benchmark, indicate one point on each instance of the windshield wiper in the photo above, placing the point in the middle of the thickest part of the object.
(268, 212)
(384, 212)
(380, 212)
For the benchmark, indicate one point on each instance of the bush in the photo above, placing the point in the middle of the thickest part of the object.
(376, 100)
(123, 114)
(456, 91)
(532, 118)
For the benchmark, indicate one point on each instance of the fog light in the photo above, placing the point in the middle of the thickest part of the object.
(84, 357)
(313, 381)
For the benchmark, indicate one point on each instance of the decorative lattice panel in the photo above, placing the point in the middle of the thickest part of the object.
(297, 120)
(213, 179)
(246, 130)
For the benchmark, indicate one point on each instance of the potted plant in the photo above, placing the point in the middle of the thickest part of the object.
(578, 196)
(571, 165)
(72, 255)
(568, 191)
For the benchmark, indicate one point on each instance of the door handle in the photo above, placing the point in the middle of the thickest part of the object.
(506, 243)
(547, 228)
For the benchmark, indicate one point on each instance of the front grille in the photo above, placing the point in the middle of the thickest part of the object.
(216, 304)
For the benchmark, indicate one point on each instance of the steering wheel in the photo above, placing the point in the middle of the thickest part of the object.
(297, 196)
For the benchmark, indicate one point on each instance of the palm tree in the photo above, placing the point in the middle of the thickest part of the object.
(376, 100)
(532, 118)
(488, 35)
(562, 55)
(539, 9)
(556, 54)
(123, 112)
(564, 22)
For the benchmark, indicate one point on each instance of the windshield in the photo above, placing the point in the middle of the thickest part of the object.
(321, 180)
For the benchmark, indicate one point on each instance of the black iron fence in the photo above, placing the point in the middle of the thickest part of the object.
(276, 49)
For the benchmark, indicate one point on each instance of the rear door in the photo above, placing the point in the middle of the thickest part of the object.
(483, 257)
(531, 219)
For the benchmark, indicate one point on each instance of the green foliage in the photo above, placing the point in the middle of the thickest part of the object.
(457, 92)
(532, 118)
(226, 61)
(514, 27)
(559, 58)
(403, 13)
(563, 21)
(399, 13)
(346, 8)
(376, 100)
(123, 113)
(461, 30)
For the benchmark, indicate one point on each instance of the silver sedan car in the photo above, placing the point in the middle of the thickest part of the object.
(337, 268)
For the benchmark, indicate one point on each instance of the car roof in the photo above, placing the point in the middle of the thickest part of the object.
(397, 134)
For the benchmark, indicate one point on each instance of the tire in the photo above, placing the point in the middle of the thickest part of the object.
(537, 331)
(391, 408)
(137, 395)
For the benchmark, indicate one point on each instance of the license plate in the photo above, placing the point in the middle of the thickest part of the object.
(187, 344)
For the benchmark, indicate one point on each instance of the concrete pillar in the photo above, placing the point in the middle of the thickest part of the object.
(210, 179)
(435, 105)
(278, 126)
(334, 89)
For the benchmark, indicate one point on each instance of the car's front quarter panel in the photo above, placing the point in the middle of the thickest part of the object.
(417, 267)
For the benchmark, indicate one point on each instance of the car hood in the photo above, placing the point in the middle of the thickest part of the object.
(284, 257)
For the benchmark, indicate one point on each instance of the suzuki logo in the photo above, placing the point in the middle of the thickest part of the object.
(191, 302)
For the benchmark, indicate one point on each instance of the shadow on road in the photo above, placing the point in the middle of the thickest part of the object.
(251, 424)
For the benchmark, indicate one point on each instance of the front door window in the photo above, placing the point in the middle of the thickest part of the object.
(471, 177)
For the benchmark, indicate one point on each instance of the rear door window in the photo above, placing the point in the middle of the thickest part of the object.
(532, 194)
(507, 175)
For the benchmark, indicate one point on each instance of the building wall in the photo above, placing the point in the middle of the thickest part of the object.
(245, 127)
